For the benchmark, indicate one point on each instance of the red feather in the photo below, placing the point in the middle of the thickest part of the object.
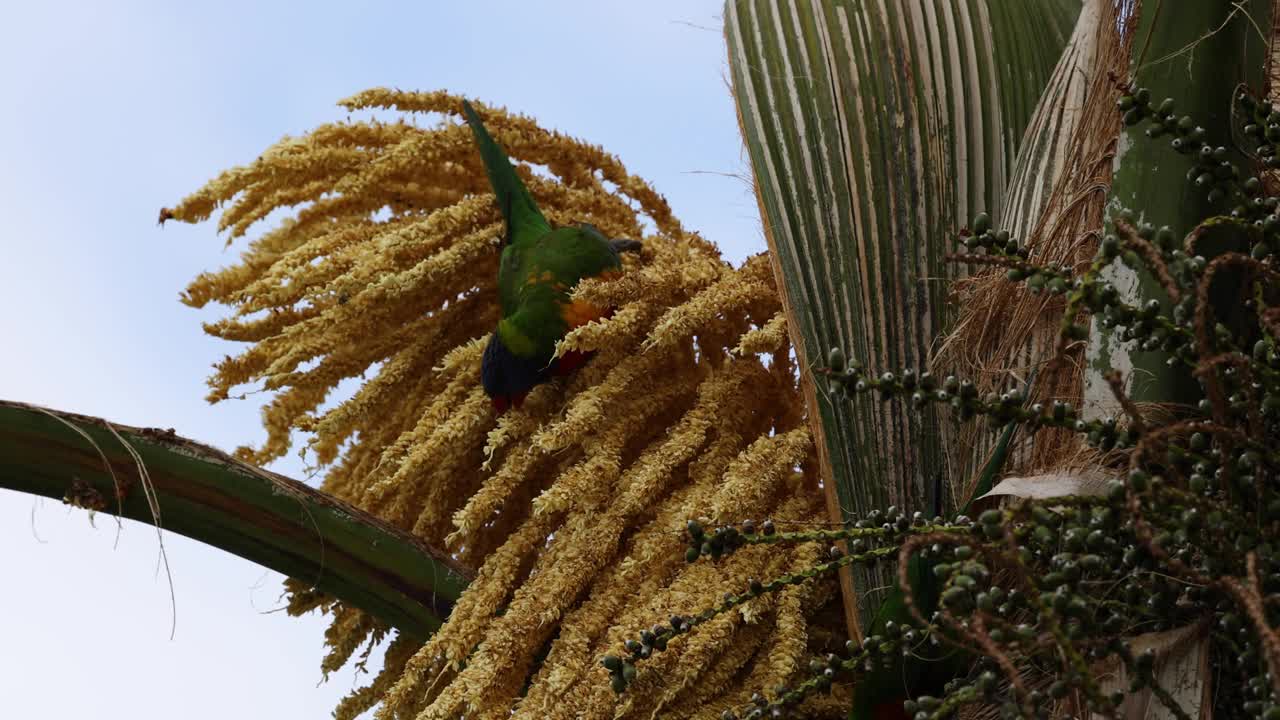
(570, 361)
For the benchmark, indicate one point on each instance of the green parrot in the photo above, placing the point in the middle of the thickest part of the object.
(880, 694)
(540, 267)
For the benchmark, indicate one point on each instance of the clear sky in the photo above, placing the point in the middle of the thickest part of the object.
(114, 110)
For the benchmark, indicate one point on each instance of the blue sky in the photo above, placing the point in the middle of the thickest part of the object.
(115, 110)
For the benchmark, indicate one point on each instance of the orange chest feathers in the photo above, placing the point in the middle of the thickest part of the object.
(577, 313)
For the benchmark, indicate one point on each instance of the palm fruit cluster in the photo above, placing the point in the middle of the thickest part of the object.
(1044, 599)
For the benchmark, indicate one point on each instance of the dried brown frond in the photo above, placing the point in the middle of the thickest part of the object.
(1003, 332)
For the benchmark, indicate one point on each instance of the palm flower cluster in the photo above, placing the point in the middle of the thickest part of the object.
(365, 311)
(1067, 602)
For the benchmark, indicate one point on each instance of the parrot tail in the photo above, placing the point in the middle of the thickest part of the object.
(524, 221)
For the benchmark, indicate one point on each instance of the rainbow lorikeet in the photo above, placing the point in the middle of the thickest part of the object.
(880, 694)
(540, 267)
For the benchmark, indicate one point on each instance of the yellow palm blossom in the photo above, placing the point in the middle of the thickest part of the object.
(570, 510)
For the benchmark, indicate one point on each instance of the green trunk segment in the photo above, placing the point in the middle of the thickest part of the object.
(209, 496)
(1197, 56)
(876, 130)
